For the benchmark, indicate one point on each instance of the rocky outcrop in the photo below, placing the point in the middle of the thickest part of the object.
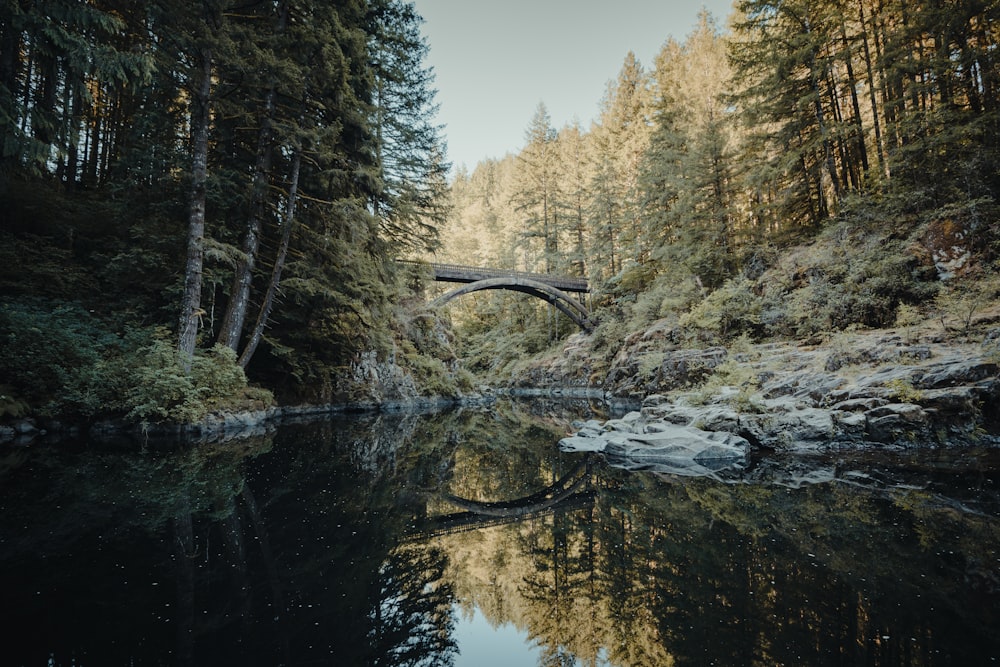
(573, 367)
(635, 443)
(379, 380)
(873, 390)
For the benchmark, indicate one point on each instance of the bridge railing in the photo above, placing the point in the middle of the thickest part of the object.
(459, 273)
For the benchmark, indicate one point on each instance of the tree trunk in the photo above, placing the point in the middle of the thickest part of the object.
(231, 328)
(10, 45)
(870, 75)
(279, 265)
(191, 299)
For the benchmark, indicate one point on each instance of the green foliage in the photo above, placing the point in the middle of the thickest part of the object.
(730, 374)
(991, 351)
(63, 362)
(47, 351)
(733, 309)
(855, 273)
(10, 405)
(959, 300)
(609, 334)
(903, 391)
(158, 389)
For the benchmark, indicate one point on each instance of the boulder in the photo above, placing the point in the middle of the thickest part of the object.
(669, 449)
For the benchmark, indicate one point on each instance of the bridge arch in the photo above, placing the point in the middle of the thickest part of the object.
(572, 308)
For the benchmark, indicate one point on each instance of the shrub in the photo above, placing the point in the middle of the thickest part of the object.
(48, 352)
(729, 311)
(959, 302)
(903, 391)
(158, 389)
(739, 376)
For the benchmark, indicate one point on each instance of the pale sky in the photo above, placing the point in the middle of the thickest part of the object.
(495, 60)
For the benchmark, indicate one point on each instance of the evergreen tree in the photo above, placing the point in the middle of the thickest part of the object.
(782, 57)
(536, 198)
(573, 173)
(621, 137)
(60, 61)
(690, 189)
(199, 79)
(410, 154)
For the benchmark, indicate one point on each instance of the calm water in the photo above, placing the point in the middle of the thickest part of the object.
(467, 538)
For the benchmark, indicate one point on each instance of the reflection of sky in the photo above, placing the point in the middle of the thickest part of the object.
(480, 645)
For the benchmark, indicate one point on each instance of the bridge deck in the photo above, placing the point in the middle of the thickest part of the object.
(456, 273)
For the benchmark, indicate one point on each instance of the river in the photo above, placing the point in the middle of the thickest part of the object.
(466, 538)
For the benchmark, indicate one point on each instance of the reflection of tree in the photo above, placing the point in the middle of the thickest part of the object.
(413, 618)
(663, 572)
(627, 562)
(550, 588)
(290, 556)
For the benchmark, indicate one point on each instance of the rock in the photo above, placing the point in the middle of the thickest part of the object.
(949, 243)
(859, 404)
(678, 449)
(853, 390)
(853, 425)
(25, 427)
(805, 427)
(803, 384)
(676, 368)
(905, 411)
(956, 372)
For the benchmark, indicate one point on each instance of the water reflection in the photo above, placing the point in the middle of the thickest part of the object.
(377, 540)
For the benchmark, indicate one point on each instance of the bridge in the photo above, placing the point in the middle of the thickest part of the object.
(551, 288)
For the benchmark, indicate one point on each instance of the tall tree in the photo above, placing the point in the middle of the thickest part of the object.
(621, 137)
(411, 161)
(200, 90)
(573, 172)
(780, 57)
(57, 57)
(689, 186)
(269, 63)
(537, 193)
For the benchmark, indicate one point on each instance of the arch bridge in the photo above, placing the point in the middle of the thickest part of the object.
(551, 288)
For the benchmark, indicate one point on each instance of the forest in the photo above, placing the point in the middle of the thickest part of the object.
(189, 186)
(806, 168)
(203, 200)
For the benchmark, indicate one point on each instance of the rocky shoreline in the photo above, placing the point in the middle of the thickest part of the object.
(879, 389)
(870, 390)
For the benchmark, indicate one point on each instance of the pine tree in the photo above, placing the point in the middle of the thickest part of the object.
(621, 137)
(782, 57)
(689, 184)
(573, 173)
(410, 154)
(537, 195)
(57, 58)
(204, 32)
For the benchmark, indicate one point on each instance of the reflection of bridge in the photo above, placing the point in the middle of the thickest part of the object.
(554, 289)
(567, 493)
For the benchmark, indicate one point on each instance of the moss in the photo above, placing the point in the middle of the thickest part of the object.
(903, 391)
(730, 374)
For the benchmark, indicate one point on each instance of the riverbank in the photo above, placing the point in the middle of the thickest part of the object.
(899, 388)
(222, 425)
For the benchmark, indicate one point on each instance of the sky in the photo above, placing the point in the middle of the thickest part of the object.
(494, 61)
